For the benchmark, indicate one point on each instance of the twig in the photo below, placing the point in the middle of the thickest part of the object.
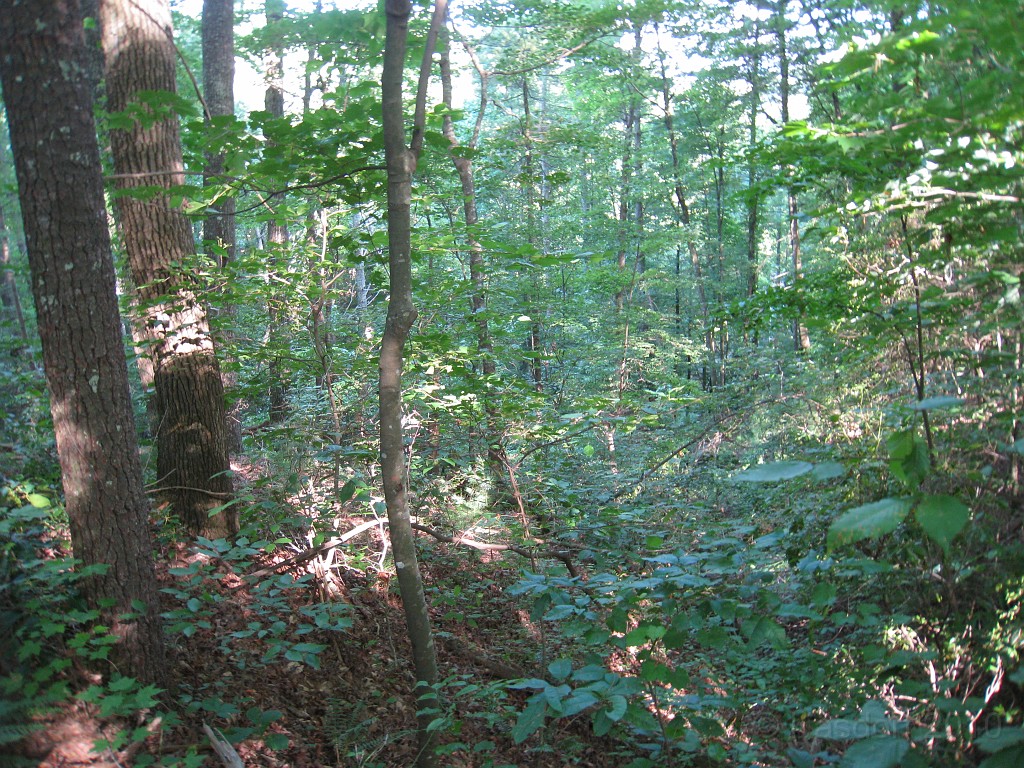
(214, 494)
(309, 554)
(223, 748)
(484, 546)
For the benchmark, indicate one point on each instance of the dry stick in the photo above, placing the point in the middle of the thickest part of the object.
(309, 554)
(464, 540)
(487, 547)
(214, 494)
(223, 748)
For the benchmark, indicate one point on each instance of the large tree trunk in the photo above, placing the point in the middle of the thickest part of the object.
(192, 460)
(219, 225)
(401, 162)
(49, 104)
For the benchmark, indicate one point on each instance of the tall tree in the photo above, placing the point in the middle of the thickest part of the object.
(401, 162)
(277, 227)
(10, 302)
(218, 38)
(801, 341)
(192, 460)
(463, 162)
(48, 94)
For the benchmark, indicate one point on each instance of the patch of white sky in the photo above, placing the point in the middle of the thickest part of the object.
(683, 63)
(250, 84)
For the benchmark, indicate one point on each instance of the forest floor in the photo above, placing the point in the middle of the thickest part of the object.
(355, 707)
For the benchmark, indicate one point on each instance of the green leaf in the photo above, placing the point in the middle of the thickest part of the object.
(1012, 757)
(999, 739)
(770, 473)
(843, 730)
(602, 723)
(828, 470)
(560, 669)
(38, 501)
(765, 630)
(876, 752)
(942, 518)
(868, 521)
(935, 403)
(530, 719)
(276, 740)
(616, 708)
(908, 457)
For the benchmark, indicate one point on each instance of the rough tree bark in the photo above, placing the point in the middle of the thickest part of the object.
(192, 459)
(401, 163)
(218, 35)
(48, 94)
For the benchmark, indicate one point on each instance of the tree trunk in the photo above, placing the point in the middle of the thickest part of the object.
(10, 300)
(477, 269)
(192, 461)
(277, 228)
(401, 162)
(801, 341)
(753, 199)
(534, 343)
(49, 101)
(219, 225)
(682, 210)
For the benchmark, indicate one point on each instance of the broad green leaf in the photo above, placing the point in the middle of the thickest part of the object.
(643, 633)
(876, 752)
(38, 501)
(868, 521)
(578, 701)
(713, 637)
(1011, 757)
(935, 403)
(942, 518)
(616, 708)
(828, 470)
(560, 669)
(843, 730)
(999, 739)
(602, 723)
(765, 630)
(554, 695)
(908, 457)
(770, 473)
(529, 720)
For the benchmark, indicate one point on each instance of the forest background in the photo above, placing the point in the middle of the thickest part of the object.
(661, 360)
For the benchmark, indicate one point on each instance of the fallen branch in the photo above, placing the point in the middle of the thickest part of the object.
(223, 748)
(467, 541)
(309, 554)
